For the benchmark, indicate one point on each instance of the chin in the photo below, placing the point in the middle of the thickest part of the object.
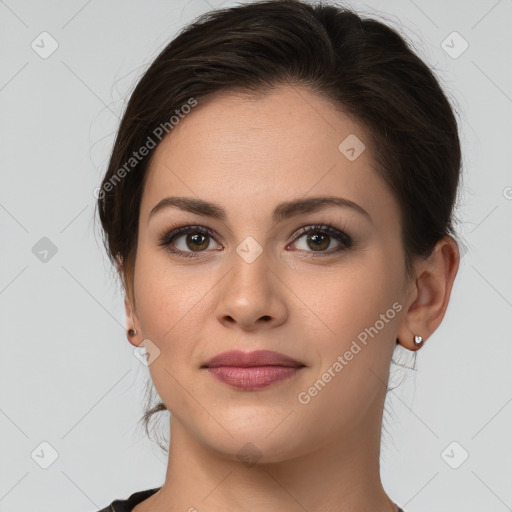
(253, 445)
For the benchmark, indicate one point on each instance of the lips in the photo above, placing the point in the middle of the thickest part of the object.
(240, 359)
(252, 371)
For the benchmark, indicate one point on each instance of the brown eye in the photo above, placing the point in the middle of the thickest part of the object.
(320, 238)
(317, 241)
(196, 241)
(187, 240)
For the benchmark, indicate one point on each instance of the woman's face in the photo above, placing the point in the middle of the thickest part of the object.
(330, 300)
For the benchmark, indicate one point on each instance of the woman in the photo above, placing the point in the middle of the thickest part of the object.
(279, 206)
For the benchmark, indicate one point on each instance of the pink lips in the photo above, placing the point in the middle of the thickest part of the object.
(252, 370)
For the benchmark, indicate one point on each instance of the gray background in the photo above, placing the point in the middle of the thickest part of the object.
(69, 378)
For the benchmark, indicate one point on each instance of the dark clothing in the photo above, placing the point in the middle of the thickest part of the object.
(127, 505)
(138, 497)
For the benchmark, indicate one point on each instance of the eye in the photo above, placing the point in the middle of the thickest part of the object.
(190, 241)
(187, 240)
(319, 238)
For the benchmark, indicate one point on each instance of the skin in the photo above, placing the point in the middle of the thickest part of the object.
(249, 154)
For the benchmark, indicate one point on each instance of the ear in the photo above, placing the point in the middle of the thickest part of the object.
(131, 322)
(430, 293)
(129, 307)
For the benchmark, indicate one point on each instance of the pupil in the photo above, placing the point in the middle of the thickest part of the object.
(198, 239)
(318, 238)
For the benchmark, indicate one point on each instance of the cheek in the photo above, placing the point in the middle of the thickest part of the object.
(168, 297)
(359, 310)
(352, 301)
(167, 307)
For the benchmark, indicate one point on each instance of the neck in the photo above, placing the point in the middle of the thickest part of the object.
(338, 476)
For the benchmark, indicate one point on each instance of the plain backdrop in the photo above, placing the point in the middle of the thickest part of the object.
(70, 386)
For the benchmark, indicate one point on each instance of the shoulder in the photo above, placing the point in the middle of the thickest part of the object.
(126, 505)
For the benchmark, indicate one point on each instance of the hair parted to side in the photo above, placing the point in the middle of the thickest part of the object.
(361, 66)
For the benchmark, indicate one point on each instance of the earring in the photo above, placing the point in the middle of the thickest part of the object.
(132, 332)
(418, 341)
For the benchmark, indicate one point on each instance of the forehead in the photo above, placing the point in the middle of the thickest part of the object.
(251, 151)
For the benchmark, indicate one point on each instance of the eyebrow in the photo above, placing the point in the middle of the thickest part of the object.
(282, 212)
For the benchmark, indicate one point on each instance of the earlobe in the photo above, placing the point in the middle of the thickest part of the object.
(131, 333)
(418, 341)
(131, 317)
(431, 294)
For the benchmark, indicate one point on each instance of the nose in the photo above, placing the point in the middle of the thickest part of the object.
(251, 295)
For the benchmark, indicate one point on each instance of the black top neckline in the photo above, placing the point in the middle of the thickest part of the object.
(139, 496)
(127, 505)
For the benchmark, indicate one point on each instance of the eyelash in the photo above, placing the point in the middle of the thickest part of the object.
(168, 237)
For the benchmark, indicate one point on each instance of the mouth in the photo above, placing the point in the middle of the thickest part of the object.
(251, 371)
(251, 359)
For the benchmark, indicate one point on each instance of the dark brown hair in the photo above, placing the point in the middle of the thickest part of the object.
(360, 65)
